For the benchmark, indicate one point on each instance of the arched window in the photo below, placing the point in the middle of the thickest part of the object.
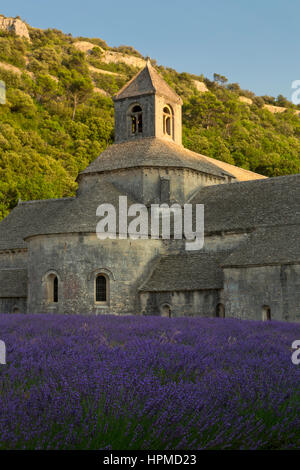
(220, 311)
(166, 310)
(266, 313)
(101, 288)
(52, 288)
(168, 121)
(136, 120)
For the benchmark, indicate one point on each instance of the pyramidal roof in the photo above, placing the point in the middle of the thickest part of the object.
(146, 82)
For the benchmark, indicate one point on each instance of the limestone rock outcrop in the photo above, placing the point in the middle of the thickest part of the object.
(14, 25)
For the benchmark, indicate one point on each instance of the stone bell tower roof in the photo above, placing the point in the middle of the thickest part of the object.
(147, 82)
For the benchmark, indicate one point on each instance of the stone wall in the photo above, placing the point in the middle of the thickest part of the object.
(123, 121)
(144, 184)
(160, 103)
(13, 305)
(187, 303)
(248, 290)
(13, 259)
(76, 259)
(152, 107)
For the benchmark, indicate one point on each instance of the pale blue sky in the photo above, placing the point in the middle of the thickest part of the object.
(254, 43)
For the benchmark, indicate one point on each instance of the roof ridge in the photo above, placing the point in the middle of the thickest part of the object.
(221, 162)
(157, 75)
(36, 201)
(127, 84)
(237, 183)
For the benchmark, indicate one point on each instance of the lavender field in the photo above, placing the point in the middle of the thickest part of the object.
(76, 382)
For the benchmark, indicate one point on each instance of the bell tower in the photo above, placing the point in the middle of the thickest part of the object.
(147, 107)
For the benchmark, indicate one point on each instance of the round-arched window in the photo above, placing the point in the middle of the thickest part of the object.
(168, 121)
(52, 288)
(165, 310)
(101, 288)
(136, 120)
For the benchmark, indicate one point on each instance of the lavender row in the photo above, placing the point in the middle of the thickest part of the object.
(111, 382)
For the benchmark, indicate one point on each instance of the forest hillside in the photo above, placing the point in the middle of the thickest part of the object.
(58, 115)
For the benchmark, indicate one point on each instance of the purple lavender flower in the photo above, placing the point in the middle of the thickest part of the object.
(112, 382)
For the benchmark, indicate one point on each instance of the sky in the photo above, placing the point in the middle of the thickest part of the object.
(252, 42)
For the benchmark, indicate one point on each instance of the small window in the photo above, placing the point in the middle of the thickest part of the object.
(165, 190)
(166, 311)
(168, 121)
(136, 118)
(52, 288)
(101, 288)
(266, 313)
(220, 311)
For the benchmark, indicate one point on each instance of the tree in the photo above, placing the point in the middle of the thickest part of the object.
(258, 101)
(205, 111)
(220, 79)
(96, 52)
(46, 88)
(234, 87)
(282, 101)
(79, 89)
(269, 100)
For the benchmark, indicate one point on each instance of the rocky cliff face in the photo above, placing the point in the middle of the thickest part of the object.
(15, 25)
(109, 57)
(115, 57)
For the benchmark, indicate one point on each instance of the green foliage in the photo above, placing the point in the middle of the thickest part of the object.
(97, 41)
(54, 124)
(220, 79)
(109, 83)
(96, 52)
(220, 126)
(128, 50)
(12, 50)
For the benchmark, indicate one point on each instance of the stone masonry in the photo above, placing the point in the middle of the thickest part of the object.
(51, 260)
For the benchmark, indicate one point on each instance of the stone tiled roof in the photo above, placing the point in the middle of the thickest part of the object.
(26, 218)
(152, 152)
(249, 204)
(13, 283)
(56, 215)
(239, 173)
(185, 272)
(268, 245)
(228, 207)
(147, 81)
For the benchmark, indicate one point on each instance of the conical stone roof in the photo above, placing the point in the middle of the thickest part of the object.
(148, 81)
(152, 152)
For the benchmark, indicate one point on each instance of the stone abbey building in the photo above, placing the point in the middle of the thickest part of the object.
(51, 260)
